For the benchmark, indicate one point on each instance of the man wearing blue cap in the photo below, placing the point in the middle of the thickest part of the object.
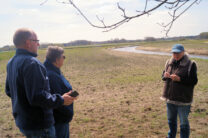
(180, 77)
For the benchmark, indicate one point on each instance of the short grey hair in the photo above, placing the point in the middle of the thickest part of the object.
(53, 53)
(21, 35)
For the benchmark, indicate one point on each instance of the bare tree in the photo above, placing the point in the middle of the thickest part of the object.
(175, 9)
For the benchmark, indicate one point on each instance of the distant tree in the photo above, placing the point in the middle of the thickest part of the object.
(116, 40)
(203, 35)
(175, 8)
(45, 45)
(150, 39)
(7, 48)
(78, 42)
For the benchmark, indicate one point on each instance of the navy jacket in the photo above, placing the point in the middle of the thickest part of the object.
(28, 86)
(59, 84)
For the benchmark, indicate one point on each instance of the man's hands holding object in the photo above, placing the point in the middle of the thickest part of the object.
(69, 97)
(173, 77)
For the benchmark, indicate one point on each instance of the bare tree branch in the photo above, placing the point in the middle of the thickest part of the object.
(173, 6)
(122, 21)
(175, 16)
(43, 2)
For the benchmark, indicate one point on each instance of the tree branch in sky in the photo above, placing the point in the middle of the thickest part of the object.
(175, 8)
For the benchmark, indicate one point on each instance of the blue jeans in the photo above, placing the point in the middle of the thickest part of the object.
(42, 133)
(62, 130)
(183, 112)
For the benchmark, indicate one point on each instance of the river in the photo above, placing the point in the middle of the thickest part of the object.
(134, 50)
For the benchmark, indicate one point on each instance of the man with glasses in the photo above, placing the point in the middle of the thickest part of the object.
(28, 87)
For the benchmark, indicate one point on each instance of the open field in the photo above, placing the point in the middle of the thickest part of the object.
(119, 95)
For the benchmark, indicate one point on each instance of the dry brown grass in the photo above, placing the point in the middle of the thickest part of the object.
(119, 96)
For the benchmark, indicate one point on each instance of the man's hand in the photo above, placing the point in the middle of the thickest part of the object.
(68, 99)
(175, 77)
(167, 75)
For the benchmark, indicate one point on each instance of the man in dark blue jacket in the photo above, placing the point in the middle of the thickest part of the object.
(28, 87)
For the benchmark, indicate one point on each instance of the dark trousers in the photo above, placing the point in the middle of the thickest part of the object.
(62, 130)
(41, 133)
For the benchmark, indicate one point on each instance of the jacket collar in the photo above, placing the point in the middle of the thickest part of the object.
(183, 62)
(49, 66)
(20, 51)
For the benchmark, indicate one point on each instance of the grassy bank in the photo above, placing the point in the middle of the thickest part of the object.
(119, 95)
(198, 47)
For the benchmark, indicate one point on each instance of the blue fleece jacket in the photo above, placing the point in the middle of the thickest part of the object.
(28, 86)
(60, 85)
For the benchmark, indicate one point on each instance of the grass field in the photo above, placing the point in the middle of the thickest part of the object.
(119, 95)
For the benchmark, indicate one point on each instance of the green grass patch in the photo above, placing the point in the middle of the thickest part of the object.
(6, 55)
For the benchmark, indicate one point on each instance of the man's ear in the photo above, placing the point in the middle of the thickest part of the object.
(56, 62)
(27, 43)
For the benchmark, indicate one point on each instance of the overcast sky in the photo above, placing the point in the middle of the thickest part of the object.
(57, 23)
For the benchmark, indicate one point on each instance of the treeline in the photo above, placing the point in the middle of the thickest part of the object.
(203, 35)
(7, 48)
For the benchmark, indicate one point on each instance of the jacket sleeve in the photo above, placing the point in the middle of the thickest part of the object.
(56, 84)
(166, 66)
(191, 79)
(37, 87)
(163, 78)
(7, 89)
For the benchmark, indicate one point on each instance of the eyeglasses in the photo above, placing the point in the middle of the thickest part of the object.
(35, 40)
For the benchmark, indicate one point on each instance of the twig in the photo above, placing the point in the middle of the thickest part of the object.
(174, 5)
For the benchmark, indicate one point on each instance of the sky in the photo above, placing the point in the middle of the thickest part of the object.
(55, 22)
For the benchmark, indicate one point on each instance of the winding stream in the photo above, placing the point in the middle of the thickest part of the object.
(134, 50)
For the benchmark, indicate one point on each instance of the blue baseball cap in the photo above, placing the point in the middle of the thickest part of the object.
(177, 48)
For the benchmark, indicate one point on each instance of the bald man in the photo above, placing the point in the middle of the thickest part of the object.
(28, 87)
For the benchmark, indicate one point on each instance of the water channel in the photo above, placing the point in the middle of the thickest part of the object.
(134, 50)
